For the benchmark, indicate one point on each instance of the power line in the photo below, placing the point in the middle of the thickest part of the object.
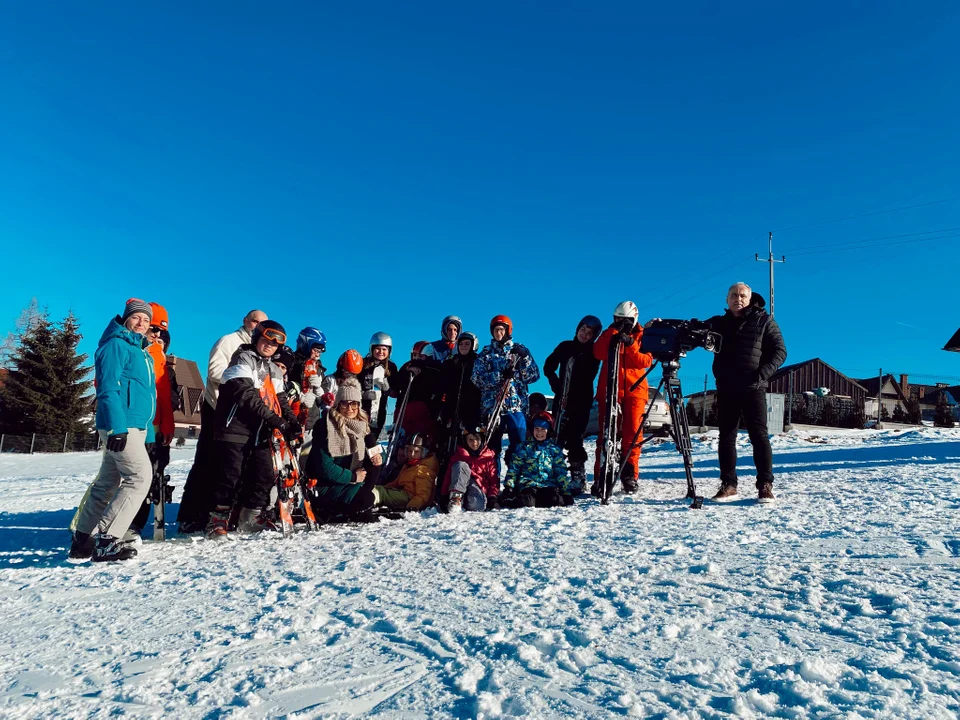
(875, 245)
(803, 250)
(869, 214)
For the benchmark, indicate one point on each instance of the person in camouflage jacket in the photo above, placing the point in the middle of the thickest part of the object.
(538, 473)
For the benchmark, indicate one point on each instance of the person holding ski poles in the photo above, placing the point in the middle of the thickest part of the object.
(503, 372)
(622, 337)
(446, 347)
(375, 380)
(572, 371)
(751, 351)
(459, 397)
(416, 386)
(126, 406)
(251, 406)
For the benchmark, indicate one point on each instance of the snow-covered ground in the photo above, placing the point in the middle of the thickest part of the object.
(842, 600)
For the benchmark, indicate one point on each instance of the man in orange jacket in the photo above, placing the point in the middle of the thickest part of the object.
(163, 420)
(633, 364)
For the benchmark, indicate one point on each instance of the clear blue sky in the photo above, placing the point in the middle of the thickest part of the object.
(375, 166)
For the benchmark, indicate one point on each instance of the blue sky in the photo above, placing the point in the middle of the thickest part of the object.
(376, 166)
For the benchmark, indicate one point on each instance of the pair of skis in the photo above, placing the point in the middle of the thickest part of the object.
(494, 422)
(291, 499)
(161, 492)
(609, 455)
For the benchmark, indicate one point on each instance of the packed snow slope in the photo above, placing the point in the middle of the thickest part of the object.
(841, 600)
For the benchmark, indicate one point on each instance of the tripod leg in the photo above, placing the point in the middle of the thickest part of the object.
(681, 436)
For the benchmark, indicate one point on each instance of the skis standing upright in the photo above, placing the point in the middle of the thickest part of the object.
(494, 422)
(377, 378)
(161, 491)
(398, 421)
(290, 497)
(609, 459)
(560, 404)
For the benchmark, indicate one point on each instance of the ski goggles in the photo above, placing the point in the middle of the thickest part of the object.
(274, 336)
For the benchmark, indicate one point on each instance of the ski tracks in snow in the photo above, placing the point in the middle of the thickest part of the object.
(840, 600)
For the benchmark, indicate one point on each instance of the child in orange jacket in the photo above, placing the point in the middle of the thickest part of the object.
(415, 486)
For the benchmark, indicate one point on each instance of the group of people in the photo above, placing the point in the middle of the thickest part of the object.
(453, 403)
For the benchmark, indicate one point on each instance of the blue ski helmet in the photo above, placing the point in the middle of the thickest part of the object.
(592, 322)
(309, 338)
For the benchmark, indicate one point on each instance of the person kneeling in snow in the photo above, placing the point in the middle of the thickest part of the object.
(538, 473)
(471, 481)
(345, 459)
(414, 487)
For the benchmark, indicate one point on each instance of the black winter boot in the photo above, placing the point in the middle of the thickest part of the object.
(109, 549)
(81, 547)
(628, 479)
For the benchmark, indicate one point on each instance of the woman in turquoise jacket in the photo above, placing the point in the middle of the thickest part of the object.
(126, 405)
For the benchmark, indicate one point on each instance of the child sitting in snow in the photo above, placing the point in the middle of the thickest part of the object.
(414, 487)
(471, 481)
(538, 473)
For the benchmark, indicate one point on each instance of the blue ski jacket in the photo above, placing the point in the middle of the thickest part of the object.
(125, 380)
(538, 465)
(488, 376)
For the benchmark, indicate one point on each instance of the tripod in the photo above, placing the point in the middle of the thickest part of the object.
(679, 427)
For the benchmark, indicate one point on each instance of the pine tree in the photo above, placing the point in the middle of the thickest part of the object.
(829, 416)
(884, 413)
(943, 416)
(44, 388)
(913, 410)
(899, 415)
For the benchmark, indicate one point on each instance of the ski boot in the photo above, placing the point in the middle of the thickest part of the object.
(456, 503)
(578, 478)
(107, 548)
(81, 546)
(217, 526)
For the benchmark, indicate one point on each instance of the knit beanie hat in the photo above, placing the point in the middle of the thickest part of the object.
(136, 305)
(349, 391)
(159, 317)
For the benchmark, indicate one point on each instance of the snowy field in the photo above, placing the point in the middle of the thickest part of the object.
(840, 601)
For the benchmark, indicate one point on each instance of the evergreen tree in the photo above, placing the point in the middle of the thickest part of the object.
(943, 416)
(829, 416)
(44, 390)
(884, 413)
(857, 417)
(899, 415)
(913, 410)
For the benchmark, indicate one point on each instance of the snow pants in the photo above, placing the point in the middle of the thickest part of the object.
(751, 405)
(160, 458)
(119, 488)
(515, 425)
(463, 482)
(570, 437)
(534, 497)
(195, 504)
(243, 475)
(392, 498)
(632, 407)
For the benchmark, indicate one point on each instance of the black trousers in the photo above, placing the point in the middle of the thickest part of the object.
(571, 434)
(751, 405)
(160, 457)
(195, 504)
(243, 476)
(534, 497)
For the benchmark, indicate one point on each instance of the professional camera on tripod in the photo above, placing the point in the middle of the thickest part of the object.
(668, 341)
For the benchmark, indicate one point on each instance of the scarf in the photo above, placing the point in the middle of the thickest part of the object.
(346, 437)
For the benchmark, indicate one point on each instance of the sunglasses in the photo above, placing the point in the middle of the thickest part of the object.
(349, 404)
(155, 329)
(274, 336)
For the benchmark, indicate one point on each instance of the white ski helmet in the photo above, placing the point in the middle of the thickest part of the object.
(627, 309)
(381, 338)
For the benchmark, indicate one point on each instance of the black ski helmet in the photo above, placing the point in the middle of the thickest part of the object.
(285, 357)
(272, 329)
(592, 322)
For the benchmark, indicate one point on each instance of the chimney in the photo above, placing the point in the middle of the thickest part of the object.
(905, 385)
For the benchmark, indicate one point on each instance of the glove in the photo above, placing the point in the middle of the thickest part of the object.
(316, 383)
(382, 385)
(369, 394)
(328, 399)
(508, 373)
(626, 338)
(567, 500)
(116, 443)
(520, 351)
(493, 502)
(291, 430)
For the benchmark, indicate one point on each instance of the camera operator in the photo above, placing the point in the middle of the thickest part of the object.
(752, 350)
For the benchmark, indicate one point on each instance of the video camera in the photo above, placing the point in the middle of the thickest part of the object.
(669, 340)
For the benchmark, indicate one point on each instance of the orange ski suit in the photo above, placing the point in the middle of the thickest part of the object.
(163, 421)
(633, 364)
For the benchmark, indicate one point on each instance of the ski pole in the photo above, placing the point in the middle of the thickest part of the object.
(398, 419)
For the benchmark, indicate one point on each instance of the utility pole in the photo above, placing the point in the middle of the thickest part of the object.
(771, 260)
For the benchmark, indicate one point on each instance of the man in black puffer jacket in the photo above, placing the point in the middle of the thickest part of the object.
(752, 350)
